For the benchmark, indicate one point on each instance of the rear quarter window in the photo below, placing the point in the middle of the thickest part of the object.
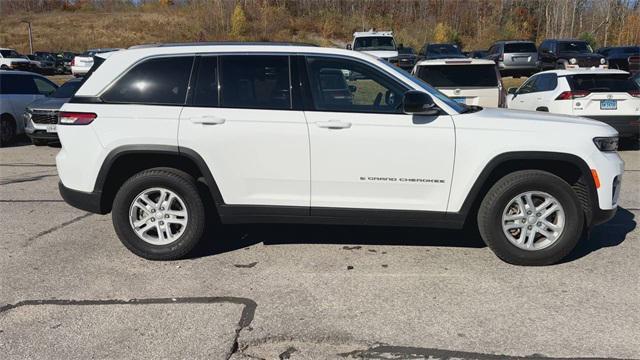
(159, 81)
(601, 83)
(459, 75)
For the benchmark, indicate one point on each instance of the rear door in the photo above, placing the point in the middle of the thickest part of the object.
(19, 90)
(241, 120)
(471, 84)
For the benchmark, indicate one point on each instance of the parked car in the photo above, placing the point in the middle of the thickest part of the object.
(17, 89)
(43, 64)
(406, 58)
(439, 51)
(514, 58)
(478, 54)
(380, 44)
(12, 60)
(621, 57)
(41, 116)
(564, 54)
(602, 94)
(67, 58)
(58, 63)
(467, 81)
(256, 129)
(83, 62)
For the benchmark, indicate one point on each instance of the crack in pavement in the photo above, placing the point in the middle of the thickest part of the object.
(29, 201)
(246, 317)
(26, 179)
(55, 228)
(27, 165)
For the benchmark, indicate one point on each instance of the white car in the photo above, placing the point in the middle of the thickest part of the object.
(267, 133)
(17, 90)
(606, 95)
(81, 64)
(12, 60)
(467, 81)
(380, 44)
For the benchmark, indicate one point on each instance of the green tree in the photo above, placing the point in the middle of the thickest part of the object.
(238, 21)
(588, 37)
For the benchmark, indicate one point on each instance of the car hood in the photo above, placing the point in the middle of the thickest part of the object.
(48, 103)
(538, 121)
(583, 55)
(382, 53)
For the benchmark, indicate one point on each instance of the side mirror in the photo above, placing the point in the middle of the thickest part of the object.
(512, 90)
(352, 88)
(418, 103)
(348, 46)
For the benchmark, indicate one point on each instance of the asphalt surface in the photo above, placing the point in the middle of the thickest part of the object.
(69, 289)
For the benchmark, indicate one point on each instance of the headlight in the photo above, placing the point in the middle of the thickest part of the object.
(606, 143)
(572, 61)
(603, 61)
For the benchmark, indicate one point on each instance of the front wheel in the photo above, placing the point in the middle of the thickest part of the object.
(158, 214)
(531, 217)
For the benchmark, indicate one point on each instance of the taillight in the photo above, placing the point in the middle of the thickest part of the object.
(634, 93)
(570, 95)
(76, 118)
(73, 62)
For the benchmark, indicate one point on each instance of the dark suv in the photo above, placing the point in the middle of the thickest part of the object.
(440, 51)
(563, 54)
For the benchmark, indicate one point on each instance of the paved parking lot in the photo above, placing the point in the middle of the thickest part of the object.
(69, 289)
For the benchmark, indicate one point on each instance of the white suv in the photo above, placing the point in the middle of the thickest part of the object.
(606, 95)
(265, 133)
(380, 44)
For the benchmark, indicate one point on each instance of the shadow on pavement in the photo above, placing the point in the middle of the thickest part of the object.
(611, 233)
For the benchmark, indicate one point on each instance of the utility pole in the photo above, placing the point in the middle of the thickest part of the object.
(30, 37)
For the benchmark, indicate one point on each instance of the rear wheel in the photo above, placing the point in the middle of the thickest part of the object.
(158, 214)
(531, 217)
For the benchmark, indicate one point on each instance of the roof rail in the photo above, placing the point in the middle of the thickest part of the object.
(210, 43)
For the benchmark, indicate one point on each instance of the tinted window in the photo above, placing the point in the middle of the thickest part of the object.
(258, 82)
(546, 82)
(629, 50)
(67, 89)
(374, 43)
(602, 83)
(574, 46)
(440, 49)
(405, 50)
(17, 84)
(529, 86)
(350, 86)
(519, 48)
(44, 86)
(155, 81)
(459, 75)
(9, 54)
(206, 83)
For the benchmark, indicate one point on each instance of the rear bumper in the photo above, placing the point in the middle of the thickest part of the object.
(626, 125)
(42, 135)
(87, 201)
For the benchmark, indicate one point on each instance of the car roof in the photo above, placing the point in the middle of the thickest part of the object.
(513, 41)
(372, 33)
(565, 72)
(456, 62)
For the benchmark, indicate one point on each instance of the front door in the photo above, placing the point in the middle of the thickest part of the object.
(366, 153)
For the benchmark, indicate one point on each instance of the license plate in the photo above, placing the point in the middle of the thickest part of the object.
(608, 104)
(459, 100)
(51, 128)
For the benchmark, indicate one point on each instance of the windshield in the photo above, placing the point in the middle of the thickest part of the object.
(10, 54)
(67, 90)
(374, 43)
(460, 108)
(602, 83)
(523, 47)
(574, 47)
(443, 49)
(457, 76)
(405, 50)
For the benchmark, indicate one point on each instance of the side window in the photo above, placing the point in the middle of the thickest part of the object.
(351, 86)
(44, 86)
(18, 85)
(544, 46)
(529, 86)
(159, 81)
(546, 82)
(255, 81)
(206, 82)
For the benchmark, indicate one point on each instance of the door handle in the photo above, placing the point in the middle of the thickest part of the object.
(208, 120)
(333, 124)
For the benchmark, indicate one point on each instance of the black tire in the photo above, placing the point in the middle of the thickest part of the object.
(39, 142)
(510, 186)
(7, 130)
(180, 183)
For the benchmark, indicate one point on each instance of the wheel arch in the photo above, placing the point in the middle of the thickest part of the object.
(123, 162)
(569, 167)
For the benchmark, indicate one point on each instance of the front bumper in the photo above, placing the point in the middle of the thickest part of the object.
(87, 201)
(602, 216)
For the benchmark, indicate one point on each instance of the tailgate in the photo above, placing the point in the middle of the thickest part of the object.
(83, 61)
(602, 103)
(521, 59)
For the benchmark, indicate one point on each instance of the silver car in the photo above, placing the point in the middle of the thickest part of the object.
(515, 58)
